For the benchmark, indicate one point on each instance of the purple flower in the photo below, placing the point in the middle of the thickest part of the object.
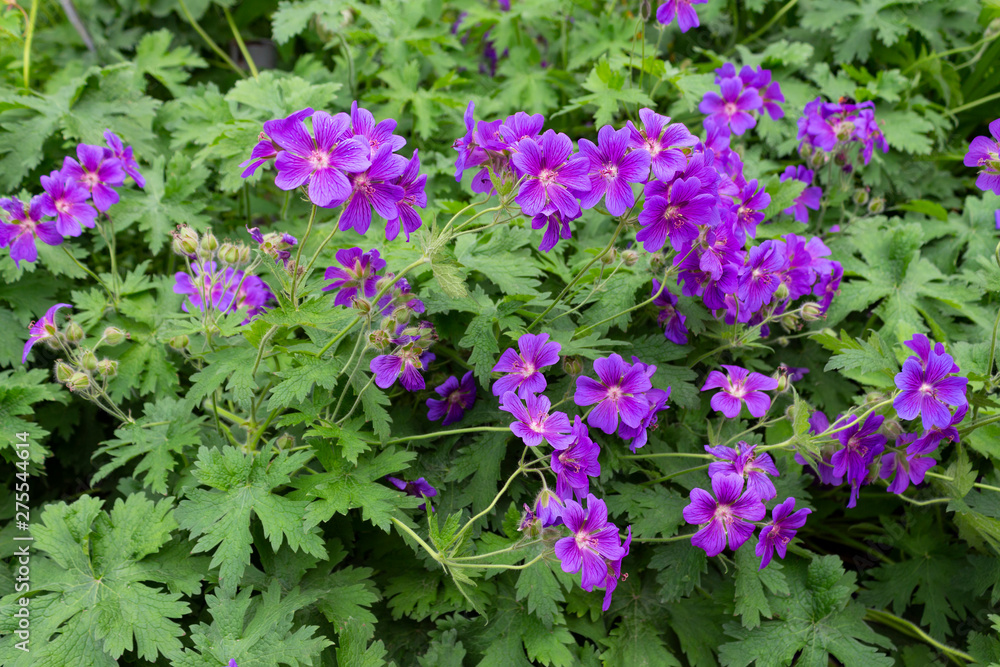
(746, 464)
(232, 662)
(359, 272)
(931, 438)
(24, 227)
(319, 161)
(575, 465)
(770, 93)
(372, 189)
(123, 154)
(671, 319)
(405, 363)
(418, 488)
(524, 368)
(556, 227)
(456, 398)
(615, 571)
(928, 391)
(638, 436)
(233, 290)
(922, 346)
(548, 509)
(470, 153)
(552, 172)
(43, 329)
(592, 539)
(776, 535)
(750, 212)
(907, 469)
(807, 199)
(724, 517)
(621, 391)
(66, 201)
(663, 141)
(413, 183)
(98, 173)
(677, 214)
(687, 18)
(740, 385)
(861, 443)
(534, 423)
(612, 170)
(274, 244)
(732, 107)
(761, 276)
(375, 134)
(266, 149)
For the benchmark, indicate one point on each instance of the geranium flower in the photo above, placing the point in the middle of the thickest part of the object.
(860, 443)
(552, 172)
(413, 184)
(984, 154)
(373, 188)
(456, 398)
(123, 153)
(752, 202)
(43, 329)
(66, 201)
(725, 517)
(746, 464)
(732, 108)
(523, 368)
(534, 423)
(620, 392)
(762, 275)
(405, 364)
(687, 18)
(931, 438)
(776, 535)
(637, 436)
(663, 141)
(24, 227)
(575, 465)
(668, 317)
(612, 170)
(266, 149)
(376, 135)
(739, 386)
(320, 159)
(97, 172)
(928, 391)
(357, 271)
(592, 539)
(418, 488)
(556, 227)
(808, 199)
(615, 571)
(677, 214)
(903, 469)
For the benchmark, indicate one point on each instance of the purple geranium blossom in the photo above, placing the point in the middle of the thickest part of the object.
(413, 184)
(575, 465)
(556, 227)
(809, 198)
(750, 212)
(24, 227)
(747, 464)
(931, 438)
(637, 436)
(98, 173)
(123, 153)
(861, 443)
(612, 170)
(615, 571)
(375, 134)
(907, 469)
(470, 153)
(534, 423)
(405, 363)
(928, 391)
(732, 107)
(456, 397)
(232, 662)
(725, 516)
(66, 201)
(266, 149)
(922, 346)
(621, 391)
(523, 368)
(552, 172)
(319, 160)
(776, 535)
(740, 385)
(418, 488)
(43, 329)
(984, 154)
(359, 272)
(663, 141)
(687, 18)
(675, 214)
(761, 276)
(668, 317)
(770, 93)
(372, 189)
(592, 539)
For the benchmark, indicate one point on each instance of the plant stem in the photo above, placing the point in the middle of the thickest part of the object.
(675, 538)
(298, 255)
(89, 272)
(974, 103)
(29, 35)
(663, 455)
(906, 627)
(513, 547)
(496, 499)
(676, 474)
(774, 19)
(239, 42)
(428, 436)
(208, 40)
(501, 566)
(406, 529)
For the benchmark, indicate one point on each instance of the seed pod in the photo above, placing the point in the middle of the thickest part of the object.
(782, 292)
(179, 342)
(63, 371)
(811, 312)
(89, 360)
(114, 336)
(783, 381)
(78, 381)
(229, 253)
(379, 339)
(74, 332)
(107, 368)
(208, 242)
(630, 257)
(572, 366)
(185, 241)
(876, 205)
(860, 196)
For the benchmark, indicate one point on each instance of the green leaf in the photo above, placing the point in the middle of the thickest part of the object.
(154, 57)
(751, 601)
(540, 587)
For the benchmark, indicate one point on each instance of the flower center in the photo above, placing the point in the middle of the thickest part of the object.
(583, 540)
(90, 179)
(724, 513)
(730, 108)
(538, 423)
(927, 389)
(363, 186)
(609, 171)
(62, 206)
(615, 393)
(527, 369)
(547, 176)
(319, 159)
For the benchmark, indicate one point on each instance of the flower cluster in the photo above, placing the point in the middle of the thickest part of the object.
(832, 127)
(984, 154)
(214, 283)
(347, 160)
(741, 486)
(743, 95)
(71, 199)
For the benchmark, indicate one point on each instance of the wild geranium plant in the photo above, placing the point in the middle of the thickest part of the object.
(501, 334)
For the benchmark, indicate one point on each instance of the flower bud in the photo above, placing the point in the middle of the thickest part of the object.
(811, 312)
(806, 151)
(179, 342)
(818, 159)
(782, 341)
(209, 243)
(610, 257)
(790, 322)
(185, 241)
(114, 336)
(78, 381)
(63, 371)
(783, 381)
(656, 261)
(244, 254)
(379, 339)
(89, 360)
(107, 368)
(630, 257)
(284, 441)
(74, 332)
(876, 205)
(829, 332)
(892, 428)
(782, 292)
(860, 196)
(364, 305)
(401, 314)
(572, 366)
(229, 253)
